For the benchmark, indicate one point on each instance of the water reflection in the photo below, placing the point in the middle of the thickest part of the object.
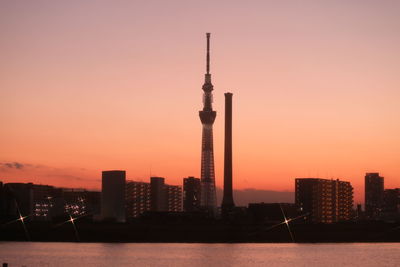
(128, 254)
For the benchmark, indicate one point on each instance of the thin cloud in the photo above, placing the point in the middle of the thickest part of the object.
(14, 165)
(71, 177)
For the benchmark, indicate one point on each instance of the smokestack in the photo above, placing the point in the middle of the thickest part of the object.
(227, 201)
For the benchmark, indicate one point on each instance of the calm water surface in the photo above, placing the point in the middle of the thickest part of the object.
(103, 254)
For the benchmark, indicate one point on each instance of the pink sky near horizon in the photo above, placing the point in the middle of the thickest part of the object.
(100, 85)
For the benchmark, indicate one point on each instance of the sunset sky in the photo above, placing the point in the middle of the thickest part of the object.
(87, 86)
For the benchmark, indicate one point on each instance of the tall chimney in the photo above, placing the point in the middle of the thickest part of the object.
(227, 201)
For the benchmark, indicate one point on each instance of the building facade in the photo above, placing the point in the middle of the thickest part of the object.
(325, 201)
(45, 203)
(154, 196)
(191, 194)
(158, 194)
(174, 198)
(391, 205)
(138, 198)
(374, 186)
(113, 196)
(343, 201)
(391, 200)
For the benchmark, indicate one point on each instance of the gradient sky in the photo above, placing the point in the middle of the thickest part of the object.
(87, 86)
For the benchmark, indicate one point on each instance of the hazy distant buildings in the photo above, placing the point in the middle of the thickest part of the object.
(113, 196)
(137, 198)
(191, 194)
(326, 201)
(374, 186)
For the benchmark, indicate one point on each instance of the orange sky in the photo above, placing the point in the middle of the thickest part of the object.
(100, 85)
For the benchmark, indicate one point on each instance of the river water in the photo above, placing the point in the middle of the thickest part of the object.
(31, 254)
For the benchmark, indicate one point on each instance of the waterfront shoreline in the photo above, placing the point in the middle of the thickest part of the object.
(212, 232)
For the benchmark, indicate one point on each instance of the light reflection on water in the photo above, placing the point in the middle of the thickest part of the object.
(32, 254)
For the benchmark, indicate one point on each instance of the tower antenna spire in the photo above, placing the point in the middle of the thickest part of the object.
(208, 52)
(207, 116)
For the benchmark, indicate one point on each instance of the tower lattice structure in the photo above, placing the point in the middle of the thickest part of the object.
(207, 117)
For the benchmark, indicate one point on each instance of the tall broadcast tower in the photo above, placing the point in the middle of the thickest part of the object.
(207, 117)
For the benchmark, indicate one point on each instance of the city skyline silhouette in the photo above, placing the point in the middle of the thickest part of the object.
(199, 133)
(89, 91)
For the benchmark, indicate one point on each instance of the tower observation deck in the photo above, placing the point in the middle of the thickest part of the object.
(207, 117)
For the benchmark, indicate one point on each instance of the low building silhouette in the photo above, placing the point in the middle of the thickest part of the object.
(272, 212)
(45, 202)
(28, 199)
(2, 201)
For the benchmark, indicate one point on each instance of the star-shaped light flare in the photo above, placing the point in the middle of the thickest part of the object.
(287, 221)
(22, 220)
(72, 221)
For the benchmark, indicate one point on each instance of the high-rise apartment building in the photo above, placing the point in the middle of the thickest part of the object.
(138, 198)
(113, 196)
(191, 194)
(374, 186)
(326, 201)
(158, 194)
(343, 200)
(174, 197)
(391, 200)
(153, 196)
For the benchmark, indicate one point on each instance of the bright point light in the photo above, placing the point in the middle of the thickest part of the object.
(21, 218)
